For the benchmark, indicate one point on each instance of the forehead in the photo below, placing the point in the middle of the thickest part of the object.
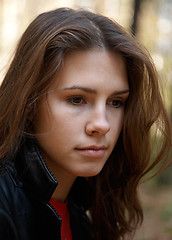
(92, 67)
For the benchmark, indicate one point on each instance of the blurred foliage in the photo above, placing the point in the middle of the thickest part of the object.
(166, 212)
(164, 178)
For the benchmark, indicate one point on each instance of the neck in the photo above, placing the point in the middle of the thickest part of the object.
(64, 178)
(64, 186)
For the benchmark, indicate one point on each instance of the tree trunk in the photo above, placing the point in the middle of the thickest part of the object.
(134, 26)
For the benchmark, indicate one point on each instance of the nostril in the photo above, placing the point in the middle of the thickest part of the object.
(99, 127)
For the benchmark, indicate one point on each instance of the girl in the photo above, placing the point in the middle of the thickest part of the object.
(77, 107)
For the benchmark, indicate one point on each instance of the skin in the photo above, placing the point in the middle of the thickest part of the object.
(80, 119)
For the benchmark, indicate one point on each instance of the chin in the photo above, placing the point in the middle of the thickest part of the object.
(90, 172)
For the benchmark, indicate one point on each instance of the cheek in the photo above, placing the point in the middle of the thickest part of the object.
(116, 125)
(42, 122)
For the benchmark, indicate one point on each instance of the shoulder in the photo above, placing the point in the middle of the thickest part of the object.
(7, 183)
(7, 225)
(11, 189)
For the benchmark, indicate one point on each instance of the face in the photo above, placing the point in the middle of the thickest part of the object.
(80, 119)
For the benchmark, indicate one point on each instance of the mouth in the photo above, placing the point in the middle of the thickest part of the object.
(92, 151)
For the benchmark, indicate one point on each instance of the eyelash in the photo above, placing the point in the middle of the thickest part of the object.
(74, 101)
(116, 103)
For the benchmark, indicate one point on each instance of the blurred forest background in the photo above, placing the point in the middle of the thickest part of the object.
(151, 22)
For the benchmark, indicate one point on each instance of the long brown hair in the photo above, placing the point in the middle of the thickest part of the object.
(115, 209)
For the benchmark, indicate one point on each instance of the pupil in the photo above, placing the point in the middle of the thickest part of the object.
(77, 100)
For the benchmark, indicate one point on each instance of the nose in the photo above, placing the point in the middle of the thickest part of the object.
(98, 123)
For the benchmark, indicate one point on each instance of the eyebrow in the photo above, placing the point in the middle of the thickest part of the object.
(88, 90)
(93, 91)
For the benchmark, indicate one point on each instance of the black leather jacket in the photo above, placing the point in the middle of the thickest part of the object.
(26, 186)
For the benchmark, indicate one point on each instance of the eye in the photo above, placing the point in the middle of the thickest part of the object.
(116, 103)
(76, 100)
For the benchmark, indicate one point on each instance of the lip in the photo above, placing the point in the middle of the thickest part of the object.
(93, 147)
(93, 151)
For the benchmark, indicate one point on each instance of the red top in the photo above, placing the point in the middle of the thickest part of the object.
(63, 211)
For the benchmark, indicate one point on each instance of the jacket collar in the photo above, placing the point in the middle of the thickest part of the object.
(37, 180)
(33, 173)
